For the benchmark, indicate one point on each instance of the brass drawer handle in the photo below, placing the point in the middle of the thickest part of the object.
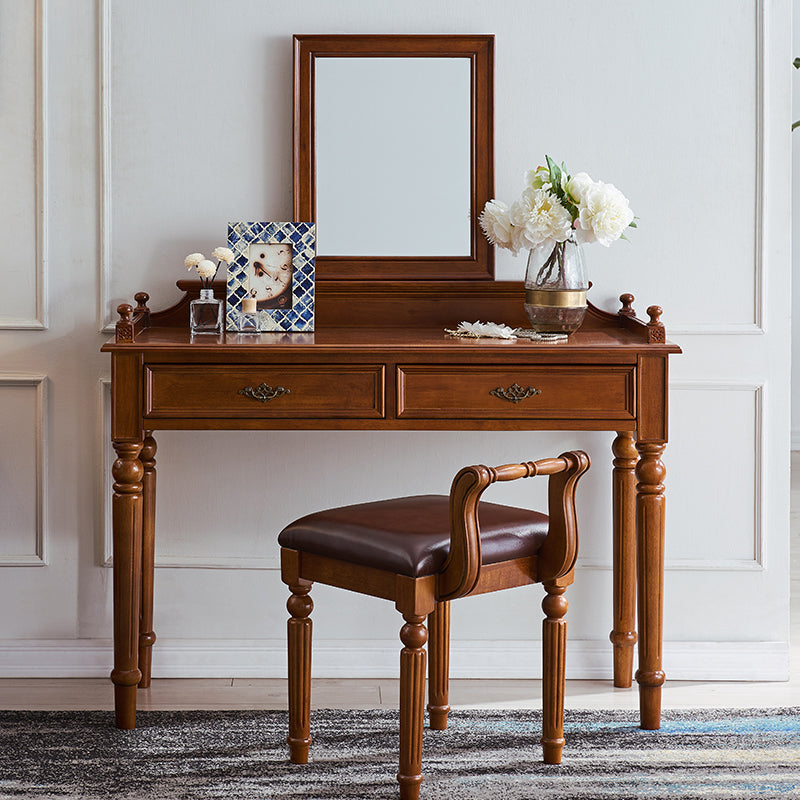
(263, 392)
(515, 393)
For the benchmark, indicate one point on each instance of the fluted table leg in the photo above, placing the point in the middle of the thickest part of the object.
(650, 504)
(127, 522)
(623, 634)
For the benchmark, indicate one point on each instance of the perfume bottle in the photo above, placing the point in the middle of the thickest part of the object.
(205, 314)
(248, 318)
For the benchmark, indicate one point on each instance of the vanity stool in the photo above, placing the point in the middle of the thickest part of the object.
(422, 552)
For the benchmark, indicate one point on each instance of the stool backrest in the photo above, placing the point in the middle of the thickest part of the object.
(557, 556)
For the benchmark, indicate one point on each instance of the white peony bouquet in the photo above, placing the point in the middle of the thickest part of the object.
(555, 206)
(205, 268)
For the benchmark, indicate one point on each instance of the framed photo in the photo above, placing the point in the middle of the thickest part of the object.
(272, 276)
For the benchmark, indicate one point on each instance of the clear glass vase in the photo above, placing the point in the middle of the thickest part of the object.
(556, 286)
(205, 314)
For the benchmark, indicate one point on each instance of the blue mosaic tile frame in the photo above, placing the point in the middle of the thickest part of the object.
(302, 237)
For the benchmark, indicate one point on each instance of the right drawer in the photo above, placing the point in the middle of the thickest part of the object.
(502, 392)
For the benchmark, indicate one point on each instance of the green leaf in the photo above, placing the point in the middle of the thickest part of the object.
(633, 225)
(796, 63)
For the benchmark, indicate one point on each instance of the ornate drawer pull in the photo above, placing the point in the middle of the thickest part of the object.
(263, 392)
(515, 393)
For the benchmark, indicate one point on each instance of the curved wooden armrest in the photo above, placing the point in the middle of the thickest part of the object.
(557, 556)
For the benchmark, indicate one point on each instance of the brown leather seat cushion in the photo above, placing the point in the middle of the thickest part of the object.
(411, 535)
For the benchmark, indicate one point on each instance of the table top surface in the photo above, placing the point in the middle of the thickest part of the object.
(367, 340)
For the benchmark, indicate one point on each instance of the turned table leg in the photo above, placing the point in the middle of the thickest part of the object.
(650, 502)
(439, 665)
(147, 637)
(412, 700)
(127, 523)
(623, 634)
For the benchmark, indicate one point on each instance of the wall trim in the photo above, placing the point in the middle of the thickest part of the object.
(38, 558)
(588, 659)
(105, 323)
(41, 178)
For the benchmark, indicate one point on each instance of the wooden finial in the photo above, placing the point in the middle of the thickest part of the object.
(656, 332)
(627, 305)
(124, 327)
(141, 299)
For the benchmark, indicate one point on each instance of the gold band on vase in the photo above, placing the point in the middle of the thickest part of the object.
(557, 298)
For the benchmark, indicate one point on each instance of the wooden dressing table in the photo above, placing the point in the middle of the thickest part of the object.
(379, 360)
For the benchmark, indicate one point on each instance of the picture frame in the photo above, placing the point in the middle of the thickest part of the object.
(271, 276)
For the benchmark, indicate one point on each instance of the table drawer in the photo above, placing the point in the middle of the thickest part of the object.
(495, 392)
(276, 391)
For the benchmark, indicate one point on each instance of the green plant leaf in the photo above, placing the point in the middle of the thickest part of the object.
(632, 224)
(796, 63)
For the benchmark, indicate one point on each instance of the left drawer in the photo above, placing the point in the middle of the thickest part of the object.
(311, 391)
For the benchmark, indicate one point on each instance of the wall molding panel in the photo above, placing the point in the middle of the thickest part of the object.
(106, 544)
(40, 178)
(762, 134)
(757, 562)
(37, 556)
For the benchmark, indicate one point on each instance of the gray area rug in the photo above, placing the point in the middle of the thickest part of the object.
(483, 754)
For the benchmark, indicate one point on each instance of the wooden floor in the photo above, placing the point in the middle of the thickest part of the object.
(243, 693)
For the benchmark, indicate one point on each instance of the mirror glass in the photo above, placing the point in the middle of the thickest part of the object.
(393, 156)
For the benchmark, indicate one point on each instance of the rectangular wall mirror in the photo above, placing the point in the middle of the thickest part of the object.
(393, 154)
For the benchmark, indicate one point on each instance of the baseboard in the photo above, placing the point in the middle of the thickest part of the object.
(586, 659)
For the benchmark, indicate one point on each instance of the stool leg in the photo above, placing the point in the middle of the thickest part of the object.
(412, 701)
(439, 665)
(300, 606)
(554, 648)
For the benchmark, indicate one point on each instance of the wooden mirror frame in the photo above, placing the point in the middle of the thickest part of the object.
(479, 264)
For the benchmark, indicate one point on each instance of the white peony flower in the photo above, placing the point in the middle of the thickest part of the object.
(496, 224)
(206, 269)
(192, 260)
(538, 216)
(223, 254)
(604, 212)
(578, 186)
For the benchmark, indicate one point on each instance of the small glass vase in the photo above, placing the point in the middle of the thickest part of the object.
(205, 314)
(556, 286)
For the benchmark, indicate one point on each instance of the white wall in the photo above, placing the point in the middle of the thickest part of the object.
(795, 233)
(156, 123)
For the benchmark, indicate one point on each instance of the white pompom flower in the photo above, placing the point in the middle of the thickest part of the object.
(223, 254)
(192, 260)
(496, 224)
(604, 212)
(206, 269)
